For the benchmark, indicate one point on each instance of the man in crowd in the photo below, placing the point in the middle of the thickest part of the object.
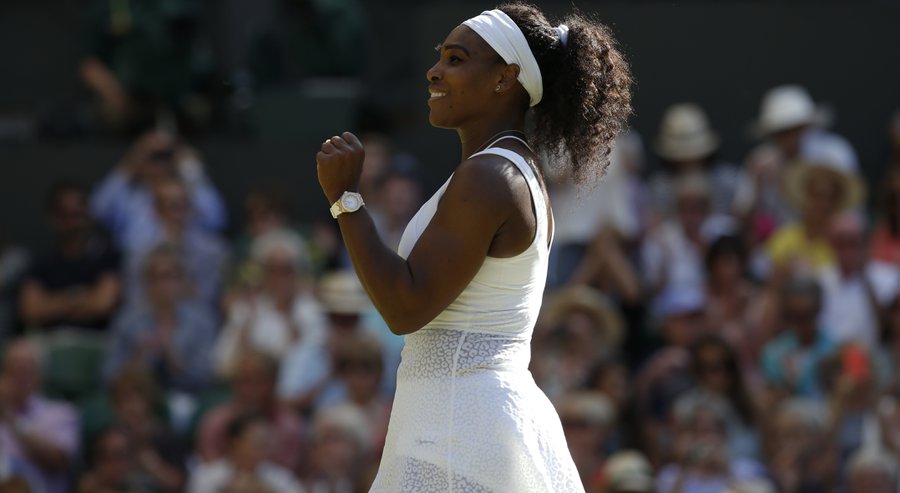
(77, 285)
(40, 432)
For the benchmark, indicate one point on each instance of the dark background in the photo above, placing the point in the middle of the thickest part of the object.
(721, 54)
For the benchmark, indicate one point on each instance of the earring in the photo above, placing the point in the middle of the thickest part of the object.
(497, 89)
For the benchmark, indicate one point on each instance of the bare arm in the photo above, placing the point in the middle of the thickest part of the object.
(101, 298)
(410, 293)
(37, 305)
(42, 452)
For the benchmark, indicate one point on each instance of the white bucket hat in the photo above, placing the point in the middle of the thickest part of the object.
(786, 107)
(685, 134)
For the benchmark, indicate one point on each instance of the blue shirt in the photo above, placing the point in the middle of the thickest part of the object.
(192, 342)
(126, 209)
(804, 380)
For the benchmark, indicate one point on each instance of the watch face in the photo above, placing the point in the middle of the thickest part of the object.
(350, 202)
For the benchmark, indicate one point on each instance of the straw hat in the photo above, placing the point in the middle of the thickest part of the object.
(341, 293)
(594, 408)
(628, 471)
(685, 134)
(829, 160)
(585, 299)
(786, 107)
(281, 241)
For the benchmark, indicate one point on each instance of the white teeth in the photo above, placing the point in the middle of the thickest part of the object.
(436, 94)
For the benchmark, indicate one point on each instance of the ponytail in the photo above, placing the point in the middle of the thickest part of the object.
(587, 91)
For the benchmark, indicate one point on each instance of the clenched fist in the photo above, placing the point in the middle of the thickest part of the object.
(339, 164)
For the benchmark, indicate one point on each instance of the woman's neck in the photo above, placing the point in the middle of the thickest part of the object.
(476, 137)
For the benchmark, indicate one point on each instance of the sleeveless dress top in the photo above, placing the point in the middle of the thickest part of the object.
(467, 414)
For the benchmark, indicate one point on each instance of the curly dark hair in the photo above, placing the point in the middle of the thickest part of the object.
(587, 90)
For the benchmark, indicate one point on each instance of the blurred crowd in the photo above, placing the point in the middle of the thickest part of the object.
(707, 326)
(710, 325)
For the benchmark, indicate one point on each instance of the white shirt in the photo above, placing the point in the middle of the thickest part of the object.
(212, 477)
(847, 312)
(581, 213)
(668, 255)
(269, 331)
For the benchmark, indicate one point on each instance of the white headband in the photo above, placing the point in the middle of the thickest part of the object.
(562, 31)
(505, 37)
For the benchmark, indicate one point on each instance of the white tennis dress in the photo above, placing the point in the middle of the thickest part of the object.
(468, 416)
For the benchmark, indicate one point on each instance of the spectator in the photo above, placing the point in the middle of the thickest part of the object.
(586, 420)
(856, 289)
(871, 471)
(681, 316)
(790, 125)
(850, 381)
(169, 333)
(244, 468)
(821, 188)
(205, 255)
(594, 228)
(734, 307)
(145, 58)
(627, 472)
(339, 456)
(124, 200)
(77, 285)
(790, 362)
(686, 144)
(802, 458)
(266, 210)
(308, 378)
(282, 315)
(672, 254)
(379, 155)
(114, 465)
(16, 484)
(253, 388)
(39, 432)
(578, 327)
(158, 455)
(886, 237)
(702, 462)
(887, 352)
(717, 371)
(611, 378)
(359, 365)
(400, 193)
(666, 374)
(14, 262)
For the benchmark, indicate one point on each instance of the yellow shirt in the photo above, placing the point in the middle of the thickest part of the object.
(791, 244)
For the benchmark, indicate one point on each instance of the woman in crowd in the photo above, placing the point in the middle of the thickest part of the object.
(283, 314)
(687, 144)
(169, 333)
(244, 469)
(717, 371)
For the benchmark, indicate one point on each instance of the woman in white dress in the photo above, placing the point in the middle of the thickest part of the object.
(466, 285)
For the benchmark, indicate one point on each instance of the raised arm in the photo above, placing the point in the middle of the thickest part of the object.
(410, 293)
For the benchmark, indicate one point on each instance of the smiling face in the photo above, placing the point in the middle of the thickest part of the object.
(463, 81)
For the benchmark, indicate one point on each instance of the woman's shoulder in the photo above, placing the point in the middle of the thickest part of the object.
(486, 178)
